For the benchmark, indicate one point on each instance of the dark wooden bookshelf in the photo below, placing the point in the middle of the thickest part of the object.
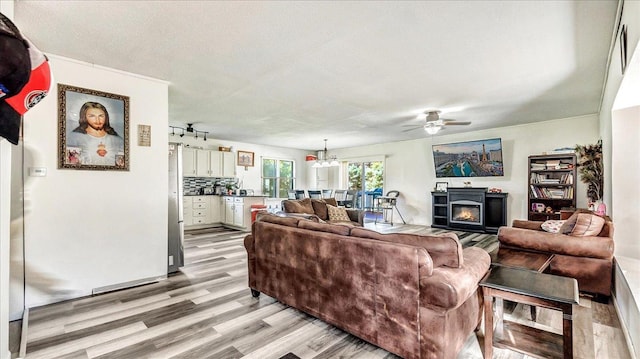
(551, 183)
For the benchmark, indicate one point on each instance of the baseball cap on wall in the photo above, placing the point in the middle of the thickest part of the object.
(25, 78)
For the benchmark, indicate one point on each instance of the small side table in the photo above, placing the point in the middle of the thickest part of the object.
(533, 288)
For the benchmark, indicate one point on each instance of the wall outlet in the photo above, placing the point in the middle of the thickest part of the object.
(170, 260)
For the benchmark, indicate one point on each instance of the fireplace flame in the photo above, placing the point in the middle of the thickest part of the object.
(466, 215)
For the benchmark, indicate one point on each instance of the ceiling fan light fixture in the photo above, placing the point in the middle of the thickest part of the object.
(431, 129)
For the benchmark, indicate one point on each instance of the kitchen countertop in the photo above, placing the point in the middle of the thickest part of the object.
(226, 195)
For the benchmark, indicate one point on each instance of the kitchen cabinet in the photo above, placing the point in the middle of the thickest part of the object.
(228, 210)
(214, 209)
(187, 217)
(201, 210)
(189, 162)
(202, 163)
(207, 163)
(238, 211)
(228, 164)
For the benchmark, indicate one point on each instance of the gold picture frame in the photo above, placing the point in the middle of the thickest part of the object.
(93, 129)
(245, 158)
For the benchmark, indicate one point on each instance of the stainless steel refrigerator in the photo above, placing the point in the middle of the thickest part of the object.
(176, 224)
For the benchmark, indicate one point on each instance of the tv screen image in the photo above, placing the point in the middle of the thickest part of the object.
(481, 158)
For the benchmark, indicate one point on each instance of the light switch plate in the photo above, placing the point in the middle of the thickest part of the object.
(37, 171)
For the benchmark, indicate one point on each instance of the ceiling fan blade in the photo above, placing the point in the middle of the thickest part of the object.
(413, 128)
(456, 123)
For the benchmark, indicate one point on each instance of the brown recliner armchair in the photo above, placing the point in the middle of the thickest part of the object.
(587, 258)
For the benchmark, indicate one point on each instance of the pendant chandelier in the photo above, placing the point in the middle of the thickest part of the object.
(324, 160)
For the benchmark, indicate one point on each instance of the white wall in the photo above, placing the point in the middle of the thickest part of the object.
(251, 176)
(92, 229)
(409, 164)
(6, 7)
(620, 129)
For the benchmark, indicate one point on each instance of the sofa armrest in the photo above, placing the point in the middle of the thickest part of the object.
(589, 246)
(251, 259)
(534, 225)
(356, 215)
(447, 288)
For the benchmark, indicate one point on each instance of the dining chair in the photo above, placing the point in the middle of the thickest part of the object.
(340, 196)
(313, 193)
(300, 194)
(291, 194)
(327, 193)
(350, 200)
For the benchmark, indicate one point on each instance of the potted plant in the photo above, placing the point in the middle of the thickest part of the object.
(591, 173)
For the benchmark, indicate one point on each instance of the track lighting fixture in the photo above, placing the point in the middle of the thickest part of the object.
(188, 129)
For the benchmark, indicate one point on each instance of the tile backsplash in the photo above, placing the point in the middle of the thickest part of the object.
(192, 185)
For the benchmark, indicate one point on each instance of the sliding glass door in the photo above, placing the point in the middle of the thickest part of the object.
(367, 179)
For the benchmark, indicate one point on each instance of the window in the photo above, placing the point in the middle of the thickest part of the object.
(277, 177)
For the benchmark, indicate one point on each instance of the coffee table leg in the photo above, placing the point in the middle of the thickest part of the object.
(488, 326)
(567, 332)
(532, 308)
(499, 317)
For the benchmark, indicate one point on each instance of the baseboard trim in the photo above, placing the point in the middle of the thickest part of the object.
(24, 334)
(133, 283)
(625, 331)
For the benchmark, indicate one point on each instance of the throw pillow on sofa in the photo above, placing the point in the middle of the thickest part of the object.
(587, 225)
(298, 206)
(337, 214)
(552, 225)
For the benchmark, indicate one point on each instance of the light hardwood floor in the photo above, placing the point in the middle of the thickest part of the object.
(207, 311)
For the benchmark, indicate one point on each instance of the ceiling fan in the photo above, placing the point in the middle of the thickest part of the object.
(435, 123)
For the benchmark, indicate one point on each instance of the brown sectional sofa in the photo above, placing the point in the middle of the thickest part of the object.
(415, 296)
(588, 259)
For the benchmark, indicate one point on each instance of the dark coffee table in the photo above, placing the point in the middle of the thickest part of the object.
(536, 289)
(515, 258)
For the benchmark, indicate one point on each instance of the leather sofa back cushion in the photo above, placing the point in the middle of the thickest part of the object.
(325, 227)
(298, 206)
(587, 225)
(320, 207)
(444, 249)
(285, 221)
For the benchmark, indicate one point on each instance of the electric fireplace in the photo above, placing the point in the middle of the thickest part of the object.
(466, 208)
(466, 212)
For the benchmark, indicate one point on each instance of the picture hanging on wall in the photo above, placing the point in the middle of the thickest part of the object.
(93, 129)
(245, 158)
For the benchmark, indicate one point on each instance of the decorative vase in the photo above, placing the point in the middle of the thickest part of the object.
(601, 208)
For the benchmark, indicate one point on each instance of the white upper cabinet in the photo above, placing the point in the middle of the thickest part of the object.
(189, 162)
(228, 164)
(207, 163)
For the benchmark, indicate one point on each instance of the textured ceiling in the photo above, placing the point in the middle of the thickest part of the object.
(293, 73)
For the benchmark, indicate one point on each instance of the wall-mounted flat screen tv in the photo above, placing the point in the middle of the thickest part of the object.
(481, 158)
